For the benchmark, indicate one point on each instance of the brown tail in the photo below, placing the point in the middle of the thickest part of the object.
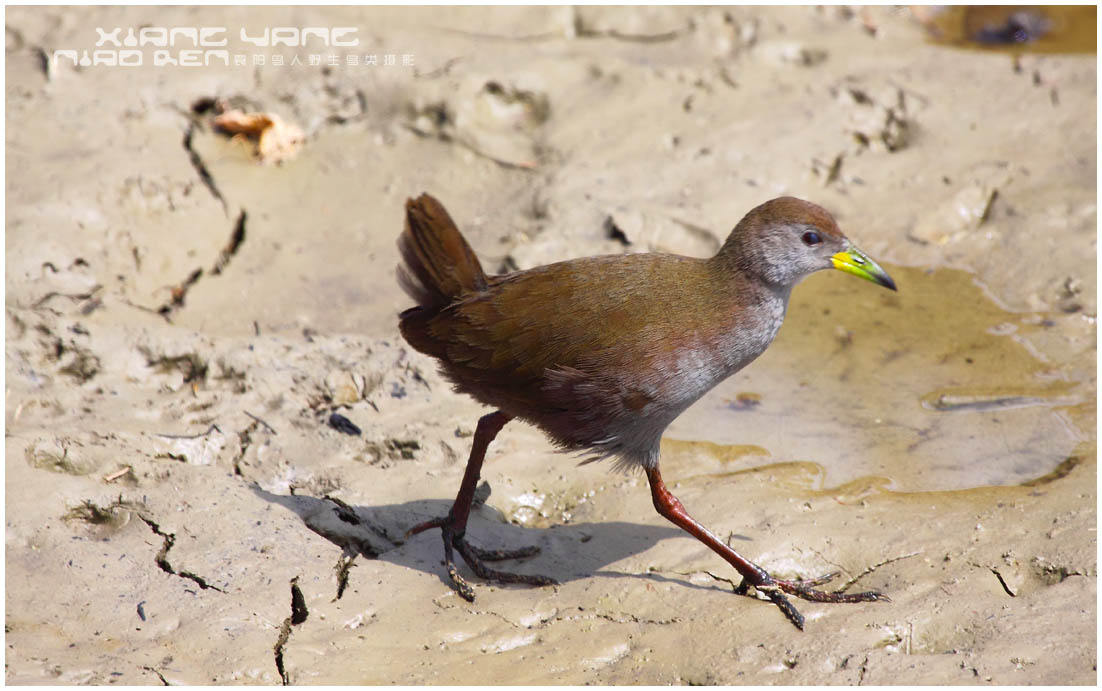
(439, 264)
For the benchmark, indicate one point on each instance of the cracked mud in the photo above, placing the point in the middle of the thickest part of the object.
(162, 557)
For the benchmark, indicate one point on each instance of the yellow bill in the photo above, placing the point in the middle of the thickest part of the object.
(854, 261)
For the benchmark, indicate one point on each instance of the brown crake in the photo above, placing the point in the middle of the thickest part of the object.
(602, 353)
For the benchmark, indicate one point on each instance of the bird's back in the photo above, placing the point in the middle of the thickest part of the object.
(602, 352)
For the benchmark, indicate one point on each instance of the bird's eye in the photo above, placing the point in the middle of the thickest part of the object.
(811, 238)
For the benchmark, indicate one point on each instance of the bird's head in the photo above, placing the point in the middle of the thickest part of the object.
(786, 239)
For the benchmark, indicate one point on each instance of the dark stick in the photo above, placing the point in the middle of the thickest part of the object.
(270, 428)
(212, 428)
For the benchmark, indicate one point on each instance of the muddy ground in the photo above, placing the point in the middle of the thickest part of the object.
(182, 321)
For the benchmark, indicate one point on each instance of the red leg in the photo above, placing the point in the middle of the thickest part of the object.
(669, 506)
(454, 525)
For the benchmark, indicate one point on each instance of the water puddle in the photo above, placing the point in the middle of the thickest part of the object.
(1016, 29)
(932, 388)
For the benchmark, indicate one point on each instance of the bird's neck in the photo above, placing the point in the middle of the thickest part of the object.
(753, 255)
(750, 311)
(748, 272)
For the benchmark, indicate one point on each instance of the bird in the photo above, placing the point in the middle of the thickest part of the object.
(603, 353)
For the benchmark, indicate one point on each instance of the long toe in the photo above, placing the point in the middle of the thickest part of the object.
(461, 586)
(787, 607)
(503, 554)
(804, 591)
(472, 557)
(807, 583)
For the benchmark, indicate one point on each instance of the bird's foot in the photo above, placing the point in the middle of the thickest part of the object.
(805, 590)
(775, 590)
(474, 556)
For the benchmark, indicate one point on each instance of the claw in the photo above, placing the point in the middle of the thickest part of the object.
(474, 556)
(804, 589)
(461, 586)
(787, 608)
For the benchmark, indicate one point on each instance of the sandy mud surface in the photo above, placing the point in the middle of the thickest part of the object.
(182, 321)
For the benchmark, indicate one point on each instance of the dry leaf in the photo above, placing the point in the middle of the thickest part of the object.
(275, 140)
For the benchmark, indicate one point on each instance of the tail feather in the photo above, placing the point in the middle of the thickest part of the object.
(439, 265)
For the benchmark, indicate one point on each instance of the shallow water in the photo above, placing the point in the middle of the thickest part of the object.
(931, 388)
(1019, 29)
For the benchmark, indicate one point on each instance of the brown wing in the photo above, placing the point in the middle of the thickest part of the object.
(590, 316)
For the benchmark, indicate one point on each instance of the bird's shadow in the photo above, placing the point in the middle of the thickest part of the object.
(567, 552)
